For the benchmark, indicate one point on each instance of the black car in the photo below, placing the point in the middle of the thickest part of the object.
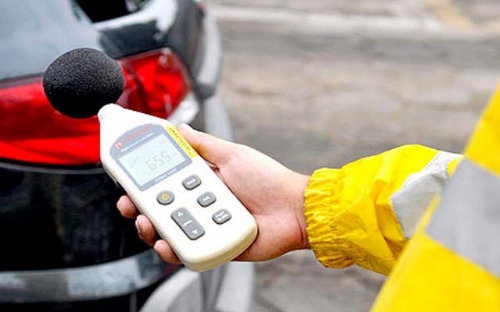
(63, 244)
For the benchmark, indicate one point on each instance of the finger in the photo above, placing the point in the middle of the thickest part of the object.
(210, 148)
(165, 252)
(127, 207)
(146, 230)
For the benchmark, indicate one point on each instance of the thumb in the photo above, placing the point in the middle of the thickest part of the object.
(210, 148)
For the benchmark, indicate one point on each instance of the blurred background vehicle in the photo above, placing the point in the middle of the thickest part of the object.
(63, 244)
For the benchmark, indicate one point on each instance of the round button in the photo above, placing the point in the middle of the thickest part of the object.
(165, 197)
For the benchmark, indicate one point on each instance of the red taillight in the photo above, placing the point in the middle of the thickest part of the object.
(31, 131)
(155, 83)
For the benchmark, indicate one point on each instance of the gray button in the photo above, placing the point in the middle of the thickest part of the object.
(187, 223)
(191, 182)
(206, 199)
(165, 197)
(221, 216)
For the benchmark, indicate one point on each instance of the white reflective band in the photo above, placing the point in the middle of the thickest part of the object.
(412, 199)
(467, 220)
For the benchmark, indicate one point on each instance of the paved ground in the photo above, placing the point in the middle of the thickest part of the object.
(321, 83)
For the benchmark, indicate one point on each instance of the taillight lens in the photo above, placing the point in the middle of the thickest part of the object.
(31, 131)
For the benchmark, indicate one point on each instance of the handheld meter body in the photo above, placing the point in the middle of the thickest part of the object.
(190, 207)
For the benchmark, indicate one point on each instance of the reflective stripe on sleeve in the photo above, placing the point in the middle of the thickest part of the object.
(467, 220)
(411, 201)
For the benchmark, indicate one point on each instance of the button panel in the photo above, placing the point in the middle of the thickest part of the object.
(184, 218)
(165, 198)
(206, 199)
(191, 182)
(187, 223)
(221, 216)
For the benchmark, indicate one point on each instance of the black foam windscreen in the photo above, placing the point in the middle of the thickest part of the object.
(81, 81)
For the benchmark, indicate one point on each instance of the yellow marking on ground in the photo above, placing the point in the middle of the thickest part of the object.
(450, 14)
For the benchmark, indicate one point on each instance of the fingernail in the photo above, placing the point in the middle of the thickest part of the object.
(138, 227)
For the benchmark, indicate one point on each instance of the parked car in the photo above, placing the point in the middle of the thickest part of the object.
(63, 244)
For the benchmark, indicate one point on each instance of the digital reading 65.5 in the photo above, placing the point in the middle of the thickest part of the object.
(154, 157)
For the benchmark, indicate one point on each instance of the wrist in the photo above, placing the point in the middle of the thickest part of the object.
(298, 210)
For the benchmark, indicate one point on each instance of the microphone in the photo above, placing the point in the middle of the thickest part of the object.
(81, 81)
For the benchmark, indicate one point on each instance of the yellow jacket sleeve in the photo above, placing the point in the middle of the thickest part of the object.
(364, 212)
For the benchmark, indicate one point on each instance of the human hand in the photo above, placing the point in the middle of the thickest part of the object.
(269, 190)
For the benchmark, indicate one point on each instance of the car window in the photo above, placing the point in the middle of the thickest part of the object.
(34, 32)
(98, 12)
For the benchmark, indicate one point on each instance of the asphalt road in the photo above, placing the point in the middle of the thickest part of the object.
(321, 83)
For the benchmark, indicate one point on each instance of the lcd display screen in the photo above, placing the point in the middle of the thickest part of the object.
(152, 159)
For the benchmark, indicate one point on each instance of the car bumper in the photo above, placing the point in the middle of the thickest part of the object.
(68, 244)
(181, 292)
